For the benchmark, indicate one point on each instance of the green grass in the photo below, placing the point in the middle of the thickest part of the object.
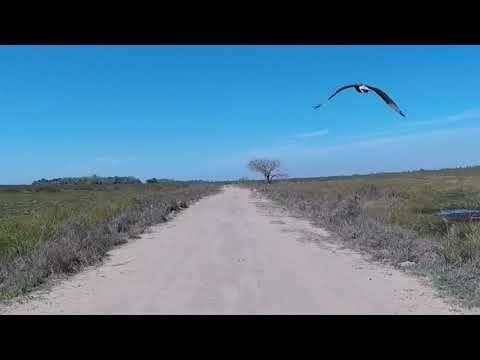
(392, 217)
(409, 200)
(28, 216)
(59, 229)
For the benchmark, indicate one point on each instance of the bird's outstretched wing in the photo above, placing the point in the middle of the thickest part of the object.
(335, 93)
(387, 99)
(342, 88)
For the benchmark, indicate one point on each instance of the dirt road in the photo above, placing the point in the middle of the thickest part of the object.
(232, 253)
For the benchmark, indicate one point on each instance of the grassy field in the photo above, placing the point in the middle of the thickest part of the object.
(392, 217)
(58, 229)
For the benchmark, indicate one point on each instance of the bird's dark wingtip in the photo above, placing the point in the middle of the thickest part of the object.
(401, 113)
(316, 106)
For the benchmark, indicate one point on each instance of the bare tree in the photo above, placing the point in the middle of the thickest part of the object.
(267, 168)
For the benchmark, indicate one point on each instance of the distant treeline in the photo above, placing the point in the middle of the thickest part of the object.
(100, 180)
(156, 181)
(89, 180)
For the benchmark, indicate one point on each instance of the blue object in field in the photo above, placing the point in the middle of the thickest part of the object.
(470, 214)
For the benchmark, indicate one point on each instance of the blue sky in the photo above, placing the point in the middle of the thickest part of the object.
(203, 111)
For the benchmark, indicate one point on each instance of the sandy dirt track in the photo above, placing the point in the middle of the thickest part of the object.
(233, 253)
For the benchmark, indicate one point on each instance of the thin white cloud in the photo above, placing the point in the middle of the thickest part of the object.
(382, 141)
(375, 134)
(322, 132)
(465, 115)
(307, 160)
(374, 140)
(294, 149)
(468, 114)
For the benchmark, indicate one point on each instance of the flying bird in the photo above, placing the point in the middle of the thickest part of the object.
(363, 89)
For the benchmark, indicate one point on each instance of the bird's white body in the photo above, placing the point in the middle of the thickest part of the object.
(363, 89)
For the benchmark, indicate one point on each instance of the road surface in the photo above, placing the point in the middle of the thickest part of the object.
(234, 253)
